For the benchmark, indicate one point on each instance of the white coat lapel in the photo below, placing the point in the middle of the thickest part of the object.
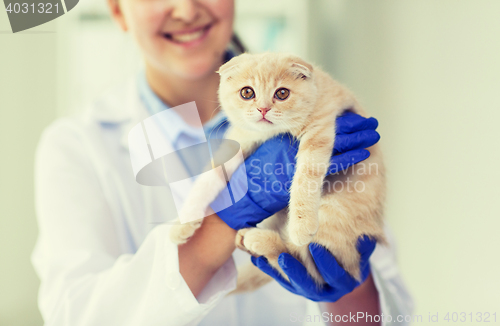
(147, 144)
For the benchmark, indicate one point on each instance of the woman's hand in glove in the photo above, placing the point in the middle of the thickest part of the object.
(338, 281)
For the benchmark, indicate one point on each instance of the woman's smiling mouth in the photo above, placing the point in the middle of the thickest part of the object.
(188, 37)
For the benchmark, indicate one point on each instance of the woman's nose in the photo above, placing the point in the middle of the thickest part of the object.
(185, 10)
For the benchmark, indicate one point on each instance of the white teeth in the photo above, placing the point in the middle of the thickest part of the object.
(188, 37)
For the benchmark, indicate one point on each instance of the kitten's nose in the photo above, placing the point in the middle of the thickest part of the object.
(263, 111)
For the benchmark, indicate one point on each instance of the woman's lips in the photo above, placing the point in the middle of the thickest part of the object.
(188, 37)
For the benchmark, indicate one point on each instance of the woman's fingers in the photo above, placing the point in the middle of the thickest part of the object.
(365, 246)
(332, 272)
(351, 122)
(262, 263)
(343, 161)
(360, 139)
(296, 272)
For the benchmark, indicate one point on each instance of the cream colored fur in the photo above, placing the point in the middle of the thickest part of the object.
(320, 210)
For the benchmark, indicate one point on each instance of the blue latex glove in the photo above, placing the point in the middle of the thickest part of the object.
(338, 281)
(269, 170)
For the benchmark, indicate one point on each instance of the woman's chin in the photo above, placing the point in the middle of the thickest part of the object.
(196, 69)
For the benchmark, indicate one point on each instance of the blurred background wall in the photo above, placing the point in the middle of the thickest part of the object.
(28, 102)
(428, 70)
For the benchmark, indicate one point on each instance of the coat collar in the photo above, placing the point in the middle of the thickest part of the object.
(121, 107)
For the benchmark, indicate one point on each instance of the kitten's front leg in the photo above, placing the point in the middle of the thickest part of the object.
(181, 233)
(205, 189)
(313, 160)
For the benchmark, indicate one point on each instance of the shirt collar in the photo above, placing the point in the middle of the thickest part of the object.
(176, 127)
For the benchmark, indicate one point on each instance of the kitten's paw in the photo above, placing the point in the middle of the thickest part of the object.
(301, 230)
(255, 241)
(181, 233)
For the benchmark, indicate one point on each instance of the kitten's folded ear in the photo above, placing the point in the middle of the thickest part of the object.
(226, 68)
(301, 68)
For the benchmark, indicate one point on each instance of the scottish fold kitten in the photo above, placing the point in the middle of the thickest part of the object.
(264, 95)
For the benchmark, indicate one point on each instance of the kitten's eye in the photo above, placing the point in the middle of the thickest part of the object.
(282, 94)
(247, 93)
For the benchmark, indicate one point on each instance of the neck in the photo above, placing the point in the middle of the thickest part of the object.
(174, 91)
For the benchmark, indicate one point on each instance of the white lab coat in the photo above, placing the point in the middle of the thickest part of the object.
(103, 253)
